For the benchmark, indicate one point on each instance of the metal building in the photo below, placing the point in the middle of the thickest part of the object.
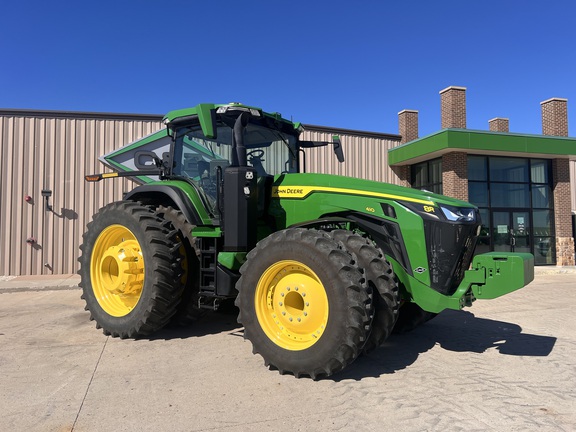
(46, 203)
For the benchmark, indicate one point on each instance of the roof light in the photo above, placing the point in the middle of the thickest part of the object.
(234, 107)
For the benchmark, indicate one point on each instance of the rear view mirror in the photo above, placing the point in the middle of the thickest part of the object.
(338, 148)
(335, 142)
(144, 160)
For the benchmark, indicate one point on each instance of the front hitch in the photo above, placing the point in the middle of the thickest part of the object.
(504, 273)
(491, 275)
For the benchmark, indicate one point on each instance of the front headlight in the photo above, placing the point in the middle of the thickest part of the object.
(459, 214)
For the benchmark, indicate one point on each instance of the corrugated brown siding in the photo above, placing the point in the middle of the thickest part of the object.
(365, 157)
(55, 152)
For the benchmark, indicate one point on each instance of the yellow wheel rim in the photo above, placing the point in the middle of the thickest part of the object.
(117, 270)
(291, 305)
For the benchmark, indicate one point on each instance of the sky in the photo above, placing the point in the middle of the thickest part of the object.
(348, 64)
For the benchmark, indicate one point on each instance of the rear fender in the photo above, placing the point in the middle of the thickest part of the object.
(167, 196)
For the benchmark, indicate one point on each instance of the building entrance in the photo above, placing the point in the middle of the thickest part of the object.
(511, 230)
(514, 196)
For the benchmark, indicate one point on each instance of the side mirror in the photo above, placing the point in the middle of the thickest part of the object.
(144, 160)
(338, 148)
(335, 142)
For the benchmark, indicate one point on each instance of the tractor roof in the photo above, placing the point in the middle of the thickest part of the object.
(204, 113)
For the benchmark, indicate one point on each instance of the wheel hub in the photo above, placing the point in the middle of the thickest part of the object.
(117, 270)
(291, 305)
(122, 268)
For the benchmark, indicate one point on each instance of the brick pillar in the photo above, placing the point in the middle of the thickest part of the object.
(555, 117)
(453, 107)
(562, 212)
(455, 175)
(408, 125)
(499, 124)
(403, 173)
(555, 123)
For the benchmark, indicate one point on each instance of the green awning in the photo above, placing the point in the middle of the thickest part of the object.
(482, 142)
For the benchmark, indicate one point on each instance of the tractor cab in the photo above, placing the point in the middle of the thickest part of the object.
(201, 152)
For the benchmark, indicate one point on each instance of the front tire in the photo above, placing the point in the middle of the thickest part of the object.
(130, 270)
(411, 316)
(381, 278)
(304, 303)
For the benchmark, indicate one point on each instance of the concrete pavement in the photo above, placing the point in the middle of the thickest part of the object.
(501, 365)
(70, 281)
(38, 283)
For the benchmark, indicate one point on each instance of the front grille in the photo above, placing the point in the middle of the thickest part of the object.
(450, 249)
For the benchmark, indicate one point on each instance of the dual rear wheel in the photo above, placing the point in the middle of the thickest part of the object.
(312, 301)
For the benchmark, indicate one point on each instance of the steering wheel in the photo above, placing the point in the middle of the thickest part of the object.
(256, 154)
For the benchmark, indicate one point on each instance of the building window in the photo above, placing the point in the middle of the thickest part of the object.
(428, 175)
(514, 196)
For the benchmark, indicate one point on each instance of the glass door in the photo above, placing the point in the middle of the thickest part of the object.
(511, 231)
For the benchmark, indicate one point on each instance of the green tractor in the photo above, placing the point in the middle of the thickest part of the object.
(322, 268)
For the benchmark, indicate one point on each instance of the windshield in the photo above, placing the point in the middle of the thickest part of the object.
(269, 151)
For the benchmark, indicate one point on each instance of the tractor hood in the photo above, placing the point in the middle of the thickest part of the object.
(300, 186)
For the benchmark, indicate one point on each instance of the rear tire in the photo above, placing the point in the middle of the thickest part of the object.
(381, 278)
(130, 270)
(188, 311)
(304, 303)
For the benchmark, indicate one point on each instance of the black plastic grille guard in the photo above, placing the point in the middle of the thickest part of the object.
(450, 248)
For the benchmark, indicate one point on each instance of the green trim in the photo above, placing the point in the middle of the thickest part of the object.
(482, 142)
(205, 117)
(232, 260)
(207, 231)
(192, 195)
(162, 133)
